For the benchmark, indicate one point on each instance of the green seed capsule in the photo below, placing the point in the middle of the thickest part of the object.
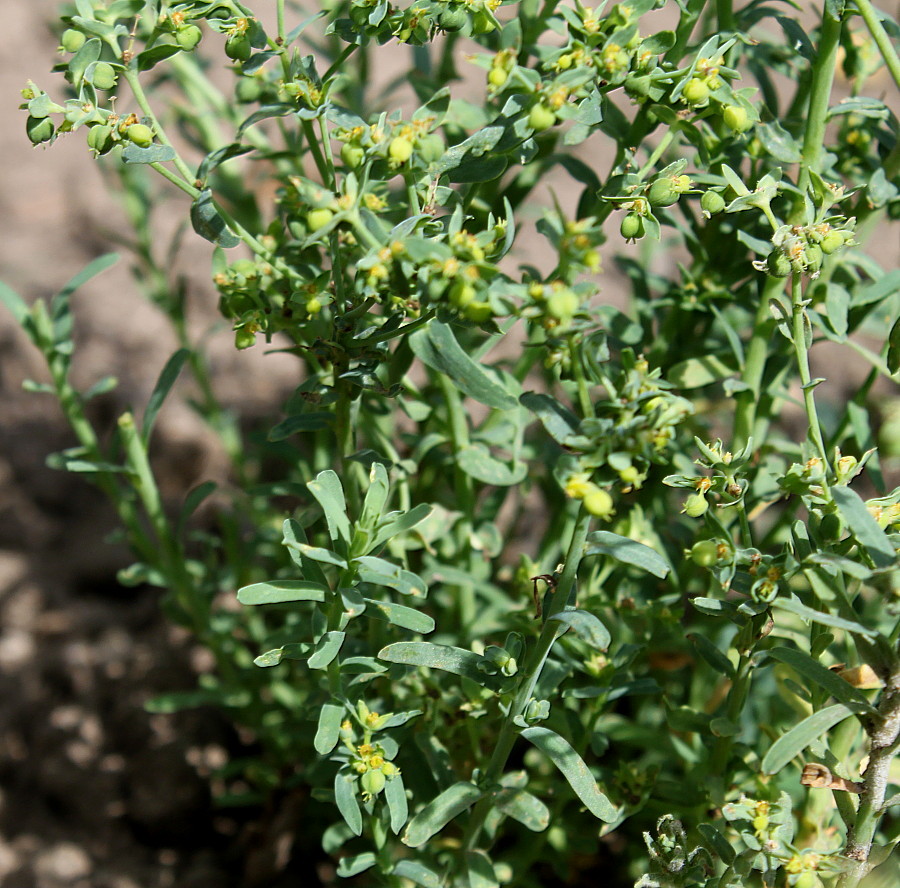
(104, 76)
(238, 47)
(599, 503)
(188, 37)
(562, 304)
(712, 203)
(372, 782)
(736, 118)
(244, 338)
(662, 193)
(352, 154)
(453, 19)
(39, 129)
(100, 139)
(497, 77)
(248, 89)
(705, 553)
(478, 312)
(318, 218)
(140, 134)
(541, 118)
(632, 227)
(695, 505)
(695, 91)
(462, 294)
(400, 150)
(832, 242)
(778, 264)
(72, 40)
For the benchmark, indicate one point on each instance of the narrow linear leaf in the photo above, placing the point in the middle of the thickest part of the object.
(436, 347)
(400, 615)
(347, 802)
(438, 656)
(401, 524)
(324, 556)
(328, 490)
(417, 873)
(559, 422)
(327, 649)
(628, 551)
(303, 422)
(395, 796)
(712, 655)
(573, 768)
(824, 678)
(329, 728)
(281, 591)
(792, 605)
(209, 224)
(800, 736)
(162, 388)
(358, 863)
(586, 626)
(523, 807)
(478, 463)
(864, 527)
(439, 812)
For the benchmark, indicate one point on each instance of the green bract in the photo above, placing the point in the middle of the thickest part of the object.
(541, 569)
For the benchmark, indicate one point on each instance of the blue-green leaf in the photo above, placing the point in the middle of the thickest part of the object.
(382, 573)
(400, 615)
(395, 796)
(358, 863)
(800, 736)
(574, 770)
(281, 591)
(418, 874)
(792, 605)
(864, 527)
(328, 729)
(439, 812)
(345, 786)
(813, 670)
(628, 551)
(436, 346)
(327, 649)
(209, 224)
(523, 807)
(400, 524)
(586, 626)
(559, 422)
(163, 386)
(477, 462)
(329, 492)
(151, 154)
(438, 656)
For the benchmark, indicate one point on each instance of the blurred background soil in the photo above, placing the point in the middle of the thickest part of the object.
(94, 791)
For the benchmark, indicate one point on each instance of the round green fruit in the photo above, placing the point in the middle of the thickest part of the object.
(248, 89)
(372, 782)
(695, 505)
(100, 139)
(599, 503)
(705, 553)
(453, 19)
(632, 227)
(188, 37)
(662, 193)
(244, 337)
(695, 91)
(736, 118)
(478, 312)
(462, 294)
(497, 77)
(352, 154)
(238, 48)
(400, 149)
(72, 40)
(541, 118)
(712, 203)
(832, 242)
(778, 265)
(104, 76)
(39, 129)
(318, 218)
(140, 134)
(562, 304)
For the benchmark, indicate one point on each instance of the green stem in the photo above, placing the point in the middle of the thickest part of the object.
(800, 326)
(755, 365)
(584, 395)
(884, 737)
(531, 672)
(881, 38)
(823, 69)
